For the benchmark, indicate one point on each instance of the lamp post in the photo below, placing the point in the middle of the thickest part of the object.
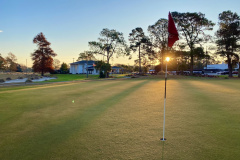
(165, 93)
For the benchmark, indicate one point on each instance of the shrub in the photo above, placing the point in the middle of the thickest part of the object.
(28, 80)
(8, 79)
(102, 75)
(2, 80)
(134, 77)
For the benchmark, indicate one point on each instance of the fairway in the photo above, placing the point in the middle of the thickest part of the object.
(122, 119)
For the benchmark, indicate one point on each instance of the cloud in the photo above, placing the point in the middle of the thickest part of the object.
(1, 31)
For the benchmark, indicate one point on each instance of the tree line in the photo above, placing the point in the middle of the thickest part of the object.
(187, 54)
(42, 59)
(9, 63)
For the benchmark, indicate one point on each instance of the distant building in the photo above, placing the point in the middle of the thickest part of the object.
(218, 67)
(151, 71)
(81, 67)
(117, 70)
(222, 66)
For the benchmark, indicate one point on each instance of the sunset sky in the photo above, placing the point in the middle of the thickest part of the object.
(70, 24)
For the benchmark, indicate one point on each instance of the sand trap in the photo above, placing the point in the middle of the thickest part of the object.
(24, 80)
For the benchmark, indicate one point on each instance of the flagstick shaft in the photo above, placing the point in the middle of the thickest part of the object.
(165, 95)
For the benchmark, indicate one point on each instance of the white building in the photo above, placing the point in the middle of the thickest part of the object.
(81, 67)
(223, 67)
(117, 70)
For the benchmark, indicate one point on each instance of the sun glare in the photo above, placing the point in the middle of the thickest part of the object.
(167, 59)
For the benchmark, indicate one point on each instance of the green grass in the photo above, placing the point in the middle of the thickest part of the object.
(71, 77)
(122, 119)
(75, 77)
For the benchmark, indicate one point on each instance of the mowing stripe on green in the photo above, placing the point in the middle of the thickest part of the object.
(41, 142)
(210, 131)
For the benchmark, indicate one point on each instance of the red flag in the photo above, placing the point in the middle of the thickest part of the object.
(172, 31)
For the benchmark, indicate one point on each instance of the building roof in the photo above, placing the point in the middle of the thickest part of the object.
(115, 67)
(83, 62)
(91, 67)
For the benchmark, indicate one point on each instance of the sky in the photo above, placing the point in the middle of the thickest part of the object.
(70, 24)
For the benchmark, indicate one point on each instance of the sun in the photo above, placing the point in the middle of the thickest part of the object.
(167, 59)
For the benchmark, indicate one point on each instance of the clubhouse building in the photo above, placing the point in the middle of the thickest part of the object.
(82, 67)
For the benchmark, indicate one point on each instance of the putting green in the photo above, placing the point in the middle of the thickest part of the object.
(122, 119)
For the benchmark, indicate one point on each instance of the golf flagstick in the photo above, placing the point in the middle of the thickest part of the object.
(172, 38)
(165, 96)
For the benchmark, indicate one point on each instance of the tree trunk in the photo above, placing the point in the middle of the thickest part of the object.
(42, 61)
(162, 52)
(108, 59)
(229, 66)
(42, 73)
(191, 65)
(139, 56)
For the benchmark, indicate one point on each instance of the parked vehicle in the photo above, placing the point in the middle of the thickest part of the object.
(224, 73)
(235, 72)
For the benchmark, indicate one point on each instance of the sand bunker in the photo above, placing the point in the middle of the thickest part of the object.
(24, 80)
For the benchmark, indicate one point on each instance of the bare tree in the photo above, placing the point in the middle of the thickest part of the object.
(11, 61)
(56, 64)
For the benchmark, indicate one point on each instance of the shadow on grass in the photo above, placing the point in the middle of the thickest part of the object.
(39, 146)
(35, 108)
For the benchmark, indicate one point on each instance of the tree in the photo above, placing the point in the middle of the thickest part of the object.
(64, 68)
(56, 64)
(228, 36)
(140, 42)
(11, 61)
(42, 57)
(86, 55)
(191, 27)
(22, 67)
(2, 63)
(19, 68)
(103, 67)
(126, 68)
(145, 64)
(110, 42)
(158, 68)
(159, 37)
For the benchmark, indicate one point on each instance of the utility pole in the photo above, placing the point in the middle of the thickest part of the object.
(87, 66)
(26, 65)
